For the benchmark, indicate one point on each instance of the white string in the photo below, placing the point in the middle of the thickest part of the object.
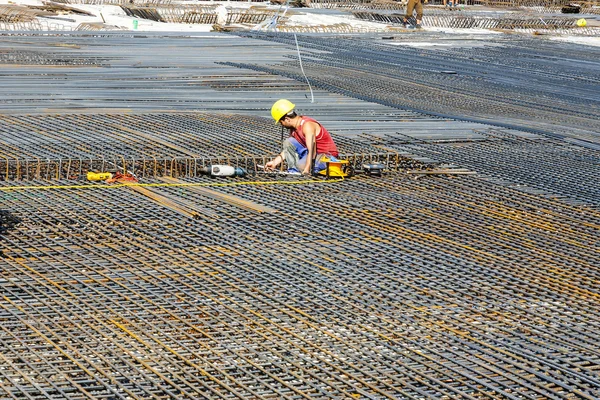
(312, 98)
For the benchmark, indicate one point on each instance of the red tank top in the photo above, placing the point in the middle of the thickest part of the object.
(325, 144)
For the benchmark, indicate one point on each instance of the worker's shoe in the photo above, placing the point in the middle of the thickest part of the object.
(418, 26)
(293, 171)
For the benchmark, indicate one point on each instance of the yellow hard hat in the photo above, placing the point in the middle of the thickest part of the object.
(581, 22)
(280, 108)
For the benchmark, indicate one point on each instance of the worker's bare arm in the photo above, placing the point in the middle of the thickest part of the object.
(311, 129)
(274, 163)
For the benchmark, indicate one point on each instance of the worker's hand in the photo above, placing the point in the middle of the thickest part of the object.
(306, 170)
(271, 165)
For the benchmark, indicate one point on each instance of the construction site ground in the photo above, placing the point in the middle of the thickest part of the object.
(469, 270)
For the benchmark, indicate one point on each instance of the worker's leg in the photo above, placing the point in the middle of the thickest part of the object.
(410, 6)
(294, 154)
(320, 164)
(419, 9)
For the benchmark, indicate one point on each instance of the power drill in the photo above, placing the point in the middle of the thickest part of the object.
(223, 170)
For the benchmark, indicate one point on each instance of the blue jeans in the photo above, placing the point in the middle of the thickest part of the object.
(295, 156)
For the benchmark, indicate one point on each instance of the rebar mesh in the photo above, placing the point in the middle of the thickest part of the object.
(465, 20)
(447, 82)
(546, 6)
(333, 28)
(414, 284)
(12, 14)
(130, 3)
(68, 146)
(357, 4)
(441, 287)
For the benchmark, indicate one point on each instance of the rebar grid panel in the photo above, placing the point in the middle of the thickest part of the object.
(166, 74)
(468, 21)
(250, 16)
(189, 14)
(169, 72)
(584, 8)
(195, 17)
(16, 14)
(199, 14)
(151, 145)
(21, 26)
(590, 31)
(162, 74)
(77, 168)
(334, 28)
(375, 288)
(553, 6)
(139, 3)
(547, 167)
(357, 5)
(470, 84)
(92, 26)
(254, 83)
(44, 58)
(143, 13)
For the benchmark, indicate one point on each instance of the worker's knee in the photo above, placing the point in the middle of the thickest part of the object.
(290, 144)
(293, 146)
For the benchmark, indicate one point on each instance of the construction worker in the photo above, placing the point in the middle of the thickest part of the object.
(308, 143)
(410, 7)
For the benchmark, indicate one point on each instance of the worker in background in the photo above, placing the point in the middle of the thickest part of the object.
(410, 7)
(309, 141)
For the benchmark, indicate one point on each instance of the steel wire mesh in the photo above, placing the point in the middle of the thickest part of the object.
(135, 299)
